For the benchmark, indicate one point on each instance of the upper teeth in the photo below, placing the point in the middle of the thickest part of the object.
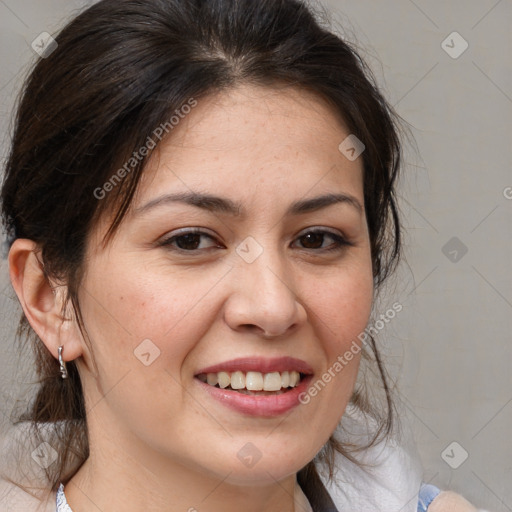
(254, 381)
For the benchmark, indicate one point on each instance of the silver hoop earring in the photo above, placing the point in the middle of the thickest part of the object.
(63, 369)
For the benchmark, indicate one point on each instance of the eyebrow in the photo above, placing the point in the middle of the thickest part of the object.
(223, 205)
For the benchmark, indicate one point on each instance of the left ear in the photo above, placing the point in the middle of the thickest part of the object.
(42, 301)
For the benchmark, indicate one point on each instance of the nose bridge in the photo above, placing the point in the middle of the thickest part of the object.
(265, 296)
(266, 270)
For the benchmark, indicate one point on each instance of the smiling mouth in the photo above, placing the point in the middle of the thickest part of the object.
(253, 383)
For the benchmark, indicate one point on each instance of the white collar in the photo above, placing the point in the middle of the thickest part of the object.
(62, 504)
(394, 481)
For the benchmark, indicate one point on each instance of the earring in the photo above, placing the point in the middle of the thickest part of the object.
(63, 369)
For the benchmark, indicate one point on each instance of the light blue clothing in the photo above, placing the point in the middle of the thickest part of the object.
(427, 493)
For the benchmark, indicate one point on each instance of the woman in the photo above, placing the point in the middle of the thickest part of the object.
(200, 199)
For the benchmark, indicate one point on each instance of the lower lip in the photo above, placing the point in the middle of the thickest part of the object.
(258, 405)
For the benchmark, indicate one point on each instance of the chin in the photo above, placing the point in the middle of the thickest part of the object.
(252, 468)
(262, 474)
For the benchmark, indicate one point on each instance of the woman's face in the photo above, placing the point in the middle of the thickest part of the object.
(281, 284)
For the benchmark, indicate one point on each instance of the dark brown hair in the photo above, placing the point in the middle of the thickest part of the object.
(121, 69)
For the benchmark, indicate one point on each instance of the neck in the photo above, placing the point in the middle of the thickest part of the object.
(86, 492)
(115, 480)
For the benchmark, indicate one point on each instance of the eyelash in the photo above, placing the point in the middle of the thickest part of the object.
(339, 241)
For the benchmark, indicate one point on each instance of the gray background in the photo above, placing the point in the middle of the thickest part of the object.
(450, 346)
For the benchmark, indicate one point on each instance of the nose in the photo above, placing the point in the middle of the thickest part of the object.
(263, 299)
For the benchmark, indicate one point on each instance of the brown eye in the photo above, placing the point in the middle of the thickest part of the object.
(188, 241)
(314, 240)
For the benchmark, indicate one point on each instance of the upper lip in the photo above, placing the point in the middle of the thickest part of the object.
(260, 364)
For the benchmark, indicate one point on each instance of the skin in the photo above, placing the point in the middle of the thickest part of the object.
(158, 441)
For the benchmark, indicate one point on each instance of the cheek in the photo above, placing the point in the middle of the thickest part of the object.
(169, 309)
(342, 306)
(141, 330)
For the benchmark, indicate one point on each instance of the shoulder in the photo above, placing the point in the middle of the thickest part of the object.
(394, 476)
(448, 501)
(22, 483)
(15, 499)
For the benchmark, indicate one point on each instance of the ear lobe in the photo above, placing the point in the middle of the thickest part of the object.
(42, 303)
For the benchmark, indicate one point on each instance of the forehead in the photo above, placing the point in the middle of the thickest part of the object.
(254, 139)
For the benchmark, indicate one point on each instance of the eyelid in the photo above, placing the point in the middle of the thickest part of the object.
(329, 231)
(190, 230)
(323, 229)
(167, 238)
